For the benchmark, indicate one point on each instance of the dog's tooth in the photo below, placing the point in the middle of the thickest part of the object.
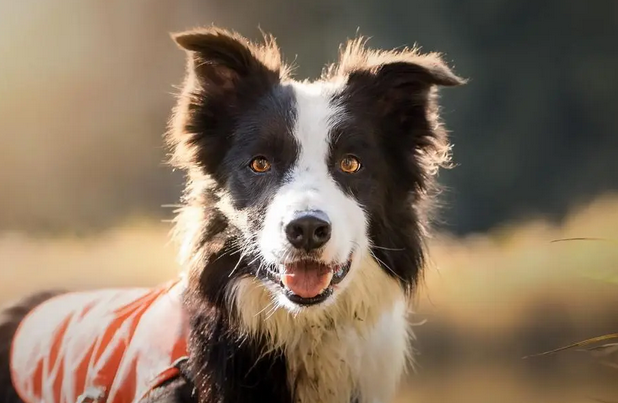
(339, 272)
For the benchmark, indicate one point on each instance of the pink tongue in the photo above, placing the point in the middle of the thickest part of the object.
(307, 279)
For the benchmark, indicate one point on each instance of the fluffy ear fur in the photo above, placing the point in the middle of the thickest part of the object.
(226, 73)
(428, 68)
(220, 58)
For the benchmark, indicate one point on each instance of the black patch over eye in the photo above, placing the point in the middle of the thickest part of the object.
(260, 165)
(350, 164)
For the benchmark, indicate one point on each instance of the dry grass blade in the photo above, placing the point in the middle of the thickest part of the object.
(606, 276)
(584, 343)
(604, 349)
(585, 239)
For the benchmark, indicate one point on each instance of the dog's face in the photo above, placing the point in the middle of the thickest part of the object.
(314, 178)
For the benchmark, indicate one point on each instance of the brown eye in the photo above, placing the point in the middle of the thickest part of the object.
(350, 164)
(260, 165)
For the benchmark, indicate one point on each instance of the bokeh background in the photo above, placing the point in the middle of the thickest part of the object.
(85, 93)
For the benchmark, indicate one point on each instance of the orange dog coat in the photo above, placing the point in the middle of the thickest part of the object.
(109, 346)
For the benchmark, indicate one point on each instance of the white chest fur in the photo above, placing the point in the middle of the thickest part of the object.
(355, 348)
(351, 362)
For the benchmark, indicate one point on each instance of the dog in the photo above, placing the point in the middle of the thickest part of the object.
(303, 224)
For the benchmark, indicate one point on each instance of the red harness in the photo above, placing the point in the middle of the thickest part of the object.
(111, 346)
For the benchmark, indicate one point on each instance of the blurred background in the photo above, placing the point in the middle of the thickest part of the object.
(85, 93)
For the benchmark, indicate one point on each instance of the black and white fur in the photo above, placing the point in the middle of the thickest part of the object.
(251, 341)
(239, 102)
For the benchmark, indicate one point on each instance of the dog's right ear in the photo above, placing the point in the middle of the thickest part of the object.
(226, 75)
(222, 60)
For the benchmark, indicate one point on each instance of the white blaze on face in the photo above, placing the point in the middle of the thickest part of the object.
(309, 184)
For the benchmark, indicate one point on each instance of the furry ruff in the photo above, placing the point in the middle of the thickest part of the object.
(304, 218)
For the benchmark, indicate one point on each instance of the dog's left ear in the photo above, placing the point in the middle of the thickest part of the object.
(397, 82)
(424, 70)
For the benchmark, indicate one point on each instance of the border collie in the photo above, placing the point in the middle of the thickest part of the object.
(303, 222)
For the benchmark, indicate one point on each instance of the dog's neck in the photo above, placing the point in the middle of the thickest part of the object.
(348, 351)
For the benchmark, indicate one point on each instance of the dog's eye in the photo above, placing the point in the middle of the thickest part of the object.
(350, 164)
(260, 165)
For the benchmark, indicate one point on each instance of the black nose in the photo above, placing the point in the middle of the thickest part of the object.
(308, 231)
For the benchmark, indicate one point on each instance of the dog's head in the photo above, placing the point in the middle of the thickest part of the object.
(298, 183)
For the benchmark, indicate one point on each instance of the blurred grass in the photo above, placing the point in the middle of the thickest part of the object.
(489, 299)
(518, 263)
(493, 298)
(138, 253)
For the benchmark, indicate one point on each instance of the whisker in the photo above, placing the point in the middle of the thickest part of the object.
(386, 266)
(242, 254)
(385, 248)
(171, 206)
(265, 308)
(274, 306)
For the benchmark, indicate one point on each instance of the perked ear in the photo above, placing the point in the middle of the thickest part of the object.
(396, 80)
(428, 68)
(226, 74)
(220, 59)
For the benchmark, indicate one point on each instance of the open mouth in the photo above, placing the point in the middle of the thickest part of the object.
(310, 282)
